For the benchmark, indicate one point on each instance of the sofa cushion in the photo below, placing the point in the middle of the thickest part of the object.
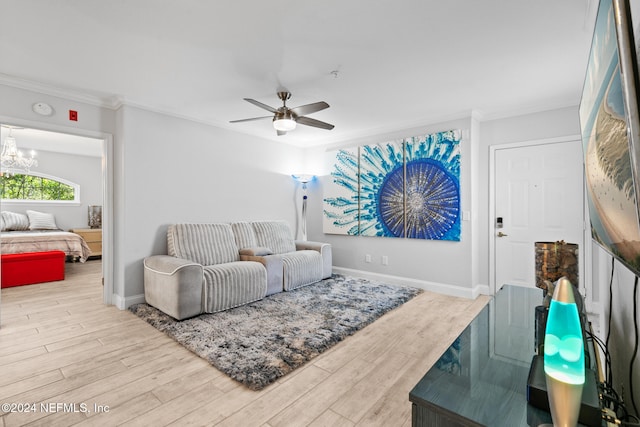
(233, 284)
(301, 268)
(206, 244)
(244, 235)
(275, 235)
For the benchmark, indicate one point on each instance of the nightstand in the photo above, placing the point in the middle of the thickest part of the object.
(93, 237)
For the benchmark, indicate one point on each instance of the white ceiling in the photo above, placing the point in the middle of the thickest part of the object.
(399, 63)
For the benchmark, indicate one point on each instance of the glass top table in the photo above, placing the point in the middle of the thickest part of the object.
(481, 379)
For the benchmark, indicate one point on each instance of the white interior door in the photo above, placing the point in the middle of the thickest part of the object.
(539, 195)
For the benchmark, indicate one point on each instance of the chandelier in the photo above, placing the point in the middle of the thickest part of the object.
(12, 159)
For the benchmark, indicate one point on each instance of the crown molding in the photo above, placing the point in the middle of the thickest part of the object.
(106, 101)
(525, 110)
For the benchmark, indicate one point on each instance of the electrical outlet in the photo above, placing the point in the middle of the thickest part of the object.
(385, 260)
(367, 258)
(73, 115)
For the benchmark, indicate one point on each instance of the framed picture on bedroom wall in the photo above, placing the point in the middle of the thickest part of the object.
(610, 126)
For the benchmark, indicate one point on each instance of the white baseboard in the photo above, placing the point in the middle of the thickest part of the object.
(441, 288)
(125, 303)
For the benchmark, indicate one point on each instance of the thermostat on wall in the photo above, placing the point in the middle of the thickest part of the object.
(42, 109)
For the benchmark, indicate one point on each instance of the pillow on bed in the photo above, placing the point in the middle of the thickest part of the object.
(13, 221)
(41, 221)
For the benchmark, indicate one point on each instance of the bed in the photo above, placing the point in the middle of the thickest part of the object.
(73, 245)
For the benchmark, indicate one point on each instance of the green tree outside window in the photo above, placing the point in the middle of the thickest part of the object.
(32, 187)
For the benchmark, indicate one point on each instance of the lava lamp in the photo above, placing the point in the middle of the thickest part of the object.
(564, 356)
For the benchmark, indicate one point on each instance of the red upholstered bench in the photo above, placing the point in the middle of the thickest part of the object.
(31, 267)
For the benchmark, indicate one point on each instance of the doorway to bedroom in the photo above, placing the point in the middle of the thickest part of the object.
(63, 190)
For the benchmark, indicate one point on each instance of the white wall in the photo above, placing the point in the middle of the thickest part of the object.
(85, 171)
(16, 108)
(171, 170)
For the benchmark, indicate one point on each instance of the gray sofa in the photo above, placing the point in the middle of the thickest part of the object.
(214, 267)
(291, 264)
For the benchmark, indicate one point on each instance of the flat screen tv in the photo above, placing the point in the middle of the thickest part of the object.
(610, 134)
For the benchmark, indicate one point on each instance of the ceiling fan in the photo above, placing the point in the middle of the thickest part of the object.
(285, 118)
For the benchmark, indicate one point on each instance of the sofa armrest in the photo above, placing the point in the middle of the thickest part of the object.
(173, 285)
(304, 245)
(257, 251)
(325, 252)
(275, 270)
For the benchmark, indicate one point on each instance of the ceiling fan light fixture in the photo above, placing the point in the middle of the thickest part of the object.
(286, 119)
(284, 124)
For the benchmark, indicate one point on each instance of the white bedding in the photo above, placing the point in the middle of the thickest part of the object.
(15, 242)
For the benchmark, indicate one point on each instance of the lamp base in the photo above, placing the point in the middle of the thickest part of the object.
(590, 411)
(565, 401)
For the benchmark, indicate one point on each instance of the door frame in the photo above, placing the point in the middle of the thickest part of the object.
(585, 251)
(107, 191)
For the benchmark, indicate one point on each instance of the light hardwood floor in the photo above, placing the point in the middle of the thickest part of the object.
(59, 345)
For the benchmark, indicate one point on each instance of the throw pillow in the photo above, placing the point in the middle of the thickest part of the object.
(41, 221)
(14, 221)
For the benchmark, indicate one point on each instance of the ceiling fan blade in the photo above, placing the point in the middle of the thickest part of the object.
(303, 110)
(281, 132)
(251, 119)
(313, 122)
(260, 104)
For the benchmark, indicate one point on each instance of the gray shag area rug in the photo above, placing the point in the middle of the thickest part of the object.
(260, 342)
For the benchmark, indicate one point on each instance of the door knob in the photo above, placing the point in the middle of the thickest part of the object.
(501, 234)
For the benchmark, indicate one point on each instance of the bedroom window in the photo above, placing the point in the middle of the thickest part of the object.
(38, 188)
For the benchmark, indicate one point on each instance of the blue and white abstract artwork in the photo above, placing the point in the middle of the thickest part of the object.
(405, 188)
(341, 194)
(382, 190)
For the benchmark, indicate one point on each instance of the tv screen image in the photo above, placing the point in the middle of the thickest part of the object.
(609, 124)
